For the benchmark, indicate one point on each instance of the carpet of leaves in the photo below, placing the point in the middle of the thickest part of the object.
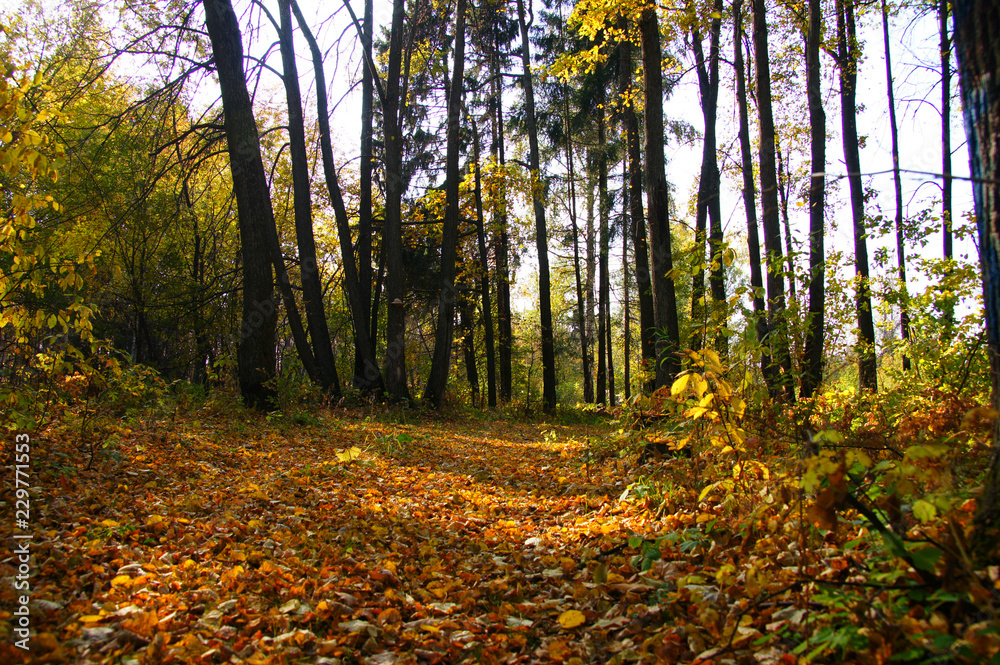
(359, 540)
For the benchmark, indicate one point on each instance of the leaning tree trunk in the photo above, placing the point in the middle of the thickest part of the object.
(848, 56)
(541, 234)
(440, 362)
(255, 352)
(977, 26)
(812, 362)
(664, 294)
(778, 322)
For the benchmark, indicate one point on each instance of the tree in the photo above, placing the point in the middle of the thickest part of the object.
(812, 363)
(904, 317)
(541, 233)
(255, 355)
(778, 325)
(664, 294)
(438, 380)
(637, 217)
(848, 55)
(312, 287)
(977, 26)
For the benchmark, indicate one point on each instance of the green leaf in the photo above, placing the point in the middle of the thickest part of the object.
(924, 511)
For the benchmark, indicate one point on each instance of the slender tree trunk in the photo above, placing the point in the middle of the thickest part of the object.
(977, 24)
(778, 323)
(392, 236)
(812, 362)
(783, 187)
(438, 380)
(541, 235)
(505, 337)
(604, 287)
(588, 374)
(365, 170)
(312, 287)
(591, 276)
(637, 215)
(255, 353)
(468, 325)
(484, 277)
(627, 318)
(664, 294)
(904, 299)
(708, 204)
(848, 56)
(371, 380)
(750, 205)
(946, 183)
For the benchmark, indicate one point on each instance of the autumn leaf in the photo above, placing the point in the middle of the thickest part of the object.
(572, 619)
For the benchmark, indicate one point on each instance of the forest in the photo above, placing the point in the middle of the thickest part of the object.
(500, 331)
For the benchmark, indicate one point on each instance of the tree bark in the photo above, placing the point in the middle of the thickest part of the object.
(365, 171)
(778, 324)
(977, 26)
(505, 337)
(255, 352)
(664, 294)
(848, 55)
(812, 362)
(541, 234)
(441, 360)
(604, 279)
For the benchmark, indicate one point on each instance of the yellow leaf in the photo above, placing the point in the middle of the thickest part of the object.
(699, 384)
(109, 523)
(680, 385)
(122, 580)
(154, 519)
(90, 618)
(572, 619)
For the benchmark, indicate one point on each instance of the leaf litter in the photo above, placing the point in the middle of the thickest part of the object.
(362, 542)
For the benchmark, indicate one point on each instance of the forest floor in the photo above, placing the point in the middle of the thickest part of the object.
(208, 539)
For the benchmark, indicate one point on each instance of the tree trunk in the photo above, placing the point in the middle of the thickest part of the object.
(541, 235)
(664, 295)
(636, 214)
(255, 352)
(904, 300)
(484, 277)
(778, 324)
(750, 205)
(365, 170)
(710, 182)
(783, 187)
(581, 319)
(467, 309)
(392, 242)
(812, 362)
(627, 314)
(312, 287)
(371, 379)
(505, 337)
(848, 56)
(591, 276)
(604, 279)
(438, 379)
(977, 24)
